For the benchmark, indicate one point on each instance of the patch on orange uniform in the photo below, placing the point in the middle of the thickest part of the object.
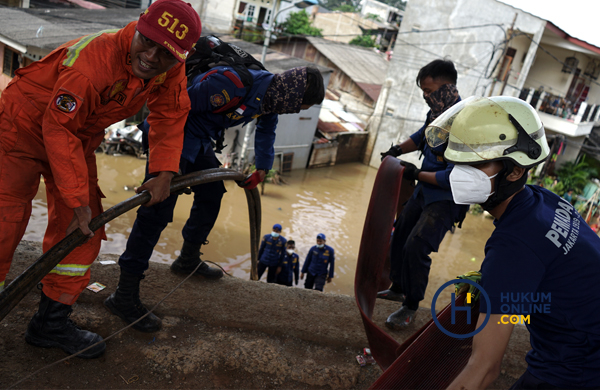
(66, 103)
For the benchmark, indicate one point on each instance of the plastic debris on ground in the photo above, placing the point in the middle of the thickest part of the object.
(96, 287)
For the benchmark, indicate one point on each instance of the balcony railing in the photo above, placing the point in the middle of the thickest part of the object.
(559, 106)
(557, 113)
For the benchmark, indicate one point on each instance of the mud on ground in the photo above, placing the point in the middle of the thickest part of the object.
(225, 334)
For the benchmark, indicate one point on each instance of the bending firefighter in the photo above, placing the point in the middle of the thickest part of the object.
(52, 119)
(271, 95)
(542, 259)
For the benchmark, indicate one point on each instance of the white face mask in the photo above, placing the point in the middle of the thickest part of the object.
(290, 251)
(274, 234)
(470, 185)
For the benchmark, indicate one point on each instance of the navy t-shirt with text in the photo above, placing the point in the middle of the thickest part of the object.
(543, 260)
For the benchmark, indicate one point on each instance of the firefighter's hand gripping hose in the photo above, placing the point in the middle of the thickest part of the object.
(19, 287)
(12, 295)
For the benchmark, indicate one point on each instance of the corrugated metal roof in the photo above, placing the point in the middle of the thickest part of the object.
(372, 90)
(275, 62)
(361, 65)
(50, 28)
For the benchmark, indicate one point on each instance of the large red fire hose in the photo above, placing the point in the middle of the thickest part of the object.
(429, 359)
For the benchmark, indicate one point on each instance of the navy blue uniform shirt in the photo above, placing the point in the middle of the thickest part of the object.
(318, 260)
(433, 162)
(203, 127)
(543, 260)
(289, 267)
(272, 250)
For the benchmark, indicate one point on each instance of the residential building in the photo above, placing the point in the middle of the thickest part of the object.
(217, 15)
(28, 35)
(358, 72)
(342, 26)
(385, 13)
(540, 63)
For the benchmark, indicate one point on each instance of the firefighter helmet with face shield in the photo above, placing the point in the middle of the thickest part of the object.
(481, 129)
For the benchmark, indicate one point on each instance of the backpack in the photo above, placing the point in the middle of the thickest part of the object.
(212, 52)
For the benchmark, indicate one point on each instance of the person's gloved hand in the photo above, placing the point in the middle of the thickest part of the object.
(460, 288)
(252, 180)
(411, 172)
(394, 151)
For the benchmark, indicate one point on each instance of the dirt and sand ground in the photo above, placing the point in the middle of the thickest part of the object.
(225, 334)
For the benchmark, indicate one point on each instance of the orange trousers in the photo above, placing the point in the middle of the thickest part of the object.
(22, 162)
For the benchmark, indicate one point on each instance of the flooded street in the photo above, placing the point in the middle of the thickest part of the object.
(329, 200)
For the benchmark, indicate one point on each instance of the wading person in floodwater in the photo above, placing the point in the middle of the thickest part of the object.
(319, 265)
(52, 119)
(430, 212)
(541, 262)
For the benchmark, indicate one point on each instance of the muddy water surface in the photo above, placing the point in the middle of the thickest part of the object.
(330, 200)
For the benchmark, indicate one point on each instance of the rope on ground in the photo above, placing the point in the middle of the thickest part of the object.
(109, 337)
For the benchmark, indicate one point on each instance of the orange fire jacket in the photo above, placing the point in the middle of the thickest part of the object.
(67, 99)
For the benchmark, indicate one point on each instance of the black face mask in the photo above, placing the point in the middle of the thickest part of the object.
(441, 99)
(503, 187)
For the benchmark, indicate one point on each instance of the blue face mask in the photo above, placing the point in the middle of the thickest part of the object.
(273, 234)
(320, 246)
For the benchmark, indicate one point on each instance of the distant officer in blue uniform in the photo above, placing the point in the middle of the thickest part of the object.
(430, 212)
(320, 258)
(290, 266)
(271, 253)
(271, 95)
(542, 260)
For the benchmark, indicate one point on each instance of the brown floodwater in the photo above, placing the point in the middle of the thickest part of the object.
(330, 200)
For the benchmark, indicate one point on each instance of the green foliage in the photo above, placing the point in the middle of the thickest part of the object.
(363, 40)
(476, 209)
(346, 8)
(575, 175)
(337, 4)
(401, 4)
(373, 17)
(251, 34)
(298, 23)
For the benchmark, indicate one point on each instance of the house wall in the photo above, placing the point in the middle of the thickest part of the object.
(377, 8)
(342, 26)
(217, 15)
(470, 49)
(546, 72)
(265, 5)
(4, 79)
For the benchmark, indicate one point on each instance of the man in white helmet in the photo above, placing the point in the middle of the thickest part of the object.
(541, 261)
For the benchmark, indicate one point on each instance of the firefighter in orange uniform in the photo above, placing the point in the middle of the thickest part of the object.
(52, 118)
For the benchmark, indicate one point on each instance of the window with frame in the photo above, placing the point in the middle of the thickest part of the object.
(250, 12)
(10, 63)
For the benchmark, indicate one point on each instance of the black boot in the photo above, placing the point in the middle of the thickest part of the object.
(125, 303)
(190, 258)
(52, 327)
